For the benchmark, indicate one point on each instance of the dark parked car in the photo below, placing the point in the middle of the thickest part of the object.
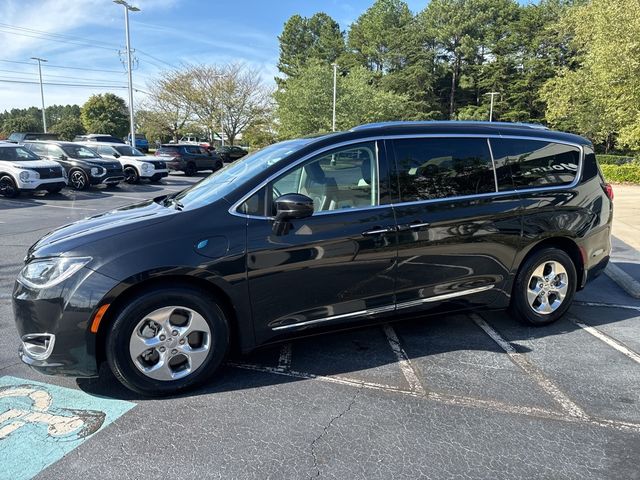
(19, 137)
(189, 159)
(83, 165)
(313, 234)
(98, 137)
(230, 153)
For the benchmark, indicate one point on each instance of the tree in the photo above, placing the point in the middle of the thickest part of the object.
(22, 123)
(316, 38)
(68, 127)
(376, 36)
(105, 113)
(305, 106)
(168, 106)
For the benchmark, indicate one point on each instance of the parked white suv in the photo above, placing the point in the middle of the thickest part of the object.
(21, 170)
(136, 165)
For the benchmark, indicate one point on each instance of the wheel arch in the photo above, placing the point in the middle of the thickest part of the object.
(128, 290)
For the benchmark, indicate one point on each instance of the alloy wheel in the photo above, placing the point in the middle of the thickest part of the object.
(78, 180)
(547, 287)
(7, 187)
(170, 343)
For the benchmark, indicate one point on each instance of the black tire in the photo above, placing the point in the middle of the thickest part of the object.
(8, 187)
(54, 190)
(128, 317)
(78, 180)
(520, 305)
(190, 171)
(218, 166)
(131, 175)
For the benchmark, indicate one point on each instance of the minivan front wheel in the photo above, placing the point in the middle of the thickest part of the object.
(167, 340)
(544, 287)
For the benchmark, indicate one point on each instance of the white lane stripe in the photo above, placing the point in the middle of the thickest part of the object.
(521, 361)
(612, 342)
(445, 398)
(70, 208)
(403, 361)
(284, 361)
(607, 305)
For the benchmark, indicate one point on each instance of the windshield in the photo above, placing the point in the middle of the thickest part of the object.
(78, 151)
(128, 151)
(17, 154)
(220, 183)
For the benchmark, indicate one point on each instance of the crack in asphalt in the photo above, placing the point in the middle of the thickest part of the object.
(325, 430)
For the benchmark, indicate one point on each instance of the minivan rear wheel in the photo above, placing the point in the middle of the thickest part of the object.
(167, 340)
(544, 287)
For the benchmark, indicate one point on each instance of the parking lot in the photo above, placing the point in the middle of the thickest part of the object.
(471, 395)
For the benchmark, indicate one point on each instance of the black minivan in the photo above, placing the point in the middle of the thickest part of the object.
(320, 233)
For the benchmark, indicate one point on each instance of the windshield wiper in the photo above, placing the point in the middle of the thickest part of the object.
(172, 202)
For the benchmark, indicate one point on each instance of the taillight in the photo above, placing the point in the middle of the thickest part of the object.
(608, 189)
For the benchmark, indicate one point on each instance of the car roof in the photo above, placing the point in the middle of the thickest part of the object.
(61, 143)
(106, 144)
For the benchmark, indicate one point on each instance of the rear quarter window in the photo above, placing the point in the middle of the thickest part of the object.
(534, 163)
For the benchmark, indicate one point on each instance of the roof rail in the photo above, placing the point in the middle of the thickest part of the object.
(447, 122)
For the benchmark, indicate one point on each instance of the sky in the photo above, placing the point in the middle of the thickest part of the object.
(82, 40)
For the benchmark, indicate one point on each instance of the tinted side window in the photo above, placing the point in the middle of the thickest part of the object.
(430, 168)
(534, 163)
(38, 148)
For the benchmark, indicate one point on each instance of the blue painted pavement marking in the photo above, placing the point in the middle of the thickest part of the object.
(41, 423)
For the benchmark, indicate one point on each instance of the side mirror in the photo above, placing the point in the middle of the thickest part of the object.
(291, 206)
(116, 155)
(62, 157)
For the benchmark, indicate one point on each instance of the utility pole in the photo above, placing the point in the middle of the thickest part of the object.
(492, 94)
(335, 79)
(44, 117)
(132, 122)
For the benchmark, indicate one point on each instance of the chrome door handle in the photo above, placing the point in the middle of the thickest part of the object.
(378, 231)
(413, 226)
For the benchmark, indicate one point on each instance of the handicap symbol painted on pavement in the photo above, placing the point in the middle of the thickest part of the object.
(41, 423)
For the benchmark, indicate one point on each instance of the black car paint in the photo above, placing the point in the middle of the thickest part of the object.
(114, 173)
(324, 262)
(179, 157)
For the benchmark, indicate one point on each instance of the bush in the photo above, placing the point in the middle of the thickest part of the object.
(614, 159)
(627, 173)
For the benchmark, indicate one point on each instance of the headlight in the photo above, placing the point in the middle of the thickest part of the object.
(24, 176)
(97, 171)
(50, 271)
(146, 167)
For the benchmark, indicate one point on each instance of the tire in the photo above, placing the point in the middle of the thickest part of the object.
(78, 180)
(155, 179)
(190, 171)
(54, 190)
(131, 175)
(8, 187)
(124, 340)
(538, 297)
(218, 166)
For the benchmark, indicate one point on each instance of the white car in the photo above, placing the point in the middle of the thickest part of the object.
(21, 170)
(136, 165)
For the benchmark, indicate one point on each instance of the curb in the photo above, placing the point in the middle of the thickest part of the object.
(623, 279)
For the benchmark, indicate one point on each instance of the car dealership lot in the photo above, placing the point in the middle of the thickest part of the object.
(475, 395)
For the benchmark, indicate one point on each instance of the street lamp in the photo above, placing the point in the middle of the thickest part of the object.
(335, 78)
(492, 94)
(128, 8)
(44, 117)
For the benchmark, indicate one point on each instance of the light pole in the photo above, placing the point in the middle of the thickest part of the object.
(128, 8)
(492, 94)
(44, 117)
(335, 79)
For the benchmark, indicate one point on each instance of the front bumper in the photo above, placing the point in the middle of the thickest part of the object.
(154, 173)
(42, 184)
(63, 312)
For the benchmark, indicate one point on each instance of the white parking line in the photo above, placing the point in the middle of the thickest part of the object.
(70, 208)
(521, 361)
(403, 361)
(284, 361)
(612, 342)
(608, 305)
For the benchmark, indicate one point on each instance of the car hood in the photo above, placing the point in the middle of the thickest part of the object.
(33, 164)
(131, 158)
(69, 238)
(102, 162)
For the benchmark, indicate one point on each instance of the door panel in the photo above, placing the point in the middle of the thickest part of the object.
(457, 240)
(334, 266)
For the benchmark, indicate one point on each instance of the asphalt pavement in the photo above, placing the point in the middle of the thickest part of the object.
(472, 395)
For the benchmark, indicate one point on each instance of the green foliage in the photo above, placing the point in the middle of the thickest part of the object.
(627, 173)
(106, 113)
(305, 106)
(68, 127)
(23, 123)
(604, 159)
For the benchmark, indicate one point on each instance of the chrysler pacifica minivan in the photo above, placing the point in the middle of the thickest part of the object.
(386, 220)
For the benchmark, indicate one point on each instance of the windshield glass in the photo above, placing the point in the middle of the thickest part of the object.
(78, 151)
(128, 151)
(17, 154)
(223, 181)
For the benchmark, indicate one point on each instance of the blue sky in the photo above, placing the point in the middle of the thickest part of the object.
(165, 33)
